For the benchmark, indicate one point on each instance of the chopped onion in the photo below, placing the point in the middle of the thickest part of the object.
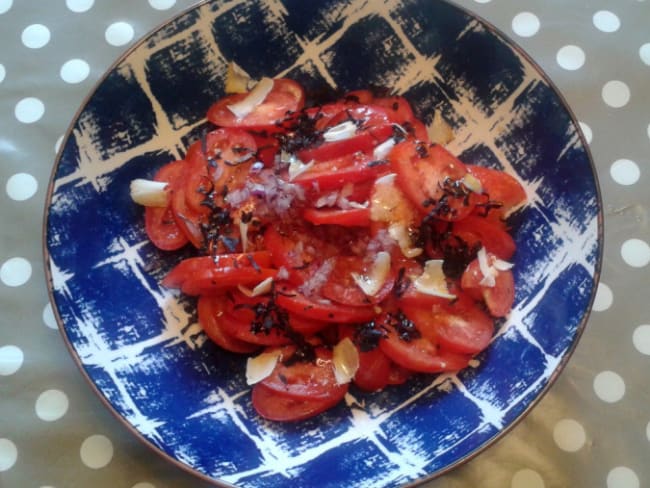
(399, 232)
(256, 96)
(149, 193)
(340, 132)
(237, 80)
(372, 283)
(432, 280)
(346, 361)
(472, 183)
(382, 150)
(261, 366)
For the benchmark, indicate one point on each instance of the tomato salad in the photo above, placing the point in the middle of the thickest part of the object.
(336, 244)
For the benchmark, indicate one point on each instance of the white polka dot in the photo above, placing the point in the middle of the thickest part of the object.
(35, 36)
(527, 478)
(15, 271)
(570, 57)
(641, 339)
(3, 73)
(609, 386)
(96, 451)
(5, 5)
(635, 253)
(644, 53)
(647, 431)
(586, 130)
(79, 5)
(604, 298)
(606, 21)
(8, 454)
(525, 24)
(625, 172)
(622, 477)
(11, 359)
(569, 435)
(615, 93)
(57, 144)
(21, 186)
(482, 1)
(29, 110)
(162, 4)
(119, 34)
(51, 405)
(48, 317)
(143, 484)
(648, 131)
(75, 71)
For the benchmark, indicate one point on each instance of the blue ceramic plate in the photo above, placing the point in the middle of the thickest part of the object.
(140, 345)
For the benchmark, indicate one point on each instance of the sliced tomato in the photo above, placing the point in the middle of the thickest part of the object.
(217, 280)
(286, 97)
(281, 408)
(160, 225)
(489, 233)
(398, 109)
(352, 217)
(501, 188)
(211, 318)
(374, 366)
(341, 287)
(305, 379)
(462, 327)
(431, 177)
(322, 309)
(498, 298)
(335, 173)
(237, 325)
(188, 219)
(398, 374)
(187, 269)
(358, 97)
(364, 141)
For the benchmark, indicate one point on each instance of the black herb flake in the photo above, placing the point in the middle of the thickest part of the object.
(401, 283)
(403, 326)
(367, 336)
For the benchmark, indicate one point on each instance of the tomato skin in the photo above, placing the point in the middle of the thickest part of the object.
(498, 298)
(217, 280)
(422, 170)
(462, 327)
(501, 187)
(286, 96)
(353, 217)
(211, 318)
(305, 380)
(160, 225)
(281, 408)
(342, 289)
(489, 233)
(398, 109)
(334, 173)
(296, 302)
(365, 141)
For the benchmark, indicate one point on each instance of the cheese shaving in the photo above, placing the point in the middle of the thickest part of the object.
(340, 132)
(371, 284)
(346, 361)
(261, 366)
(432, 280)
(256, 96)
(149, 193)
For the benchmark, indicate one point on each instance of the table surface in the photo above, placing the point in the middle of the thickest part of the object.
(591, 429)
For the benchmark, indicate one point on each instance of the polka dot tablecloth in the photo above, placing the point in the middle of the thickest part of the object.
(591, 430)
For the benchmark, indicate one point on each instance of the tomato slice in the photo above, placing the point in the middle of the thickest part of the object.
(429, 175)
(365, 141)
(374, 366)
(286, 97)
(341, 287)
(237, 325)
(500, 187)
(352, 217)
(398, 109)
(186, 269)
(313, 379)
(273, 406)
(211, 318)
(217, 280)
(322, 309)
(498, 298)
(160, 225)
(463, 327)
(489, 233)
(335, 173)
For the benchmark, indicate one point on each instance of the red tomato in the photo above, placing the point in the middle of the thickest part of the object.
(160, 225)
(216, 280)
(186, 269)
(374, 366)
(489, 233)
(398, 108)
(211, 318)
(273, 406)
(335, 173)
(320, 309)
(286, 97)
(341, 287)
(313, 379)
(463, 327)
(429, 175)
(352, 217)
(237, 325)
(359, 97)
(498, 298)
(364, 141)
(189, 220)
(500, 187)
(398, 374)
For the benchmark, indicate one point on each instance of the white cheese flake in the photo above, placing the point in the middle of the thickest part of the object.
(371, 284)
(383, 149)
(237, 80)
(340, 132)
(399, 233)
(490, 267)
(472, 183)
(149, 193)
(261, 366)
(346, 361)
(254, 98)
(297, 167)
(432, 280)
